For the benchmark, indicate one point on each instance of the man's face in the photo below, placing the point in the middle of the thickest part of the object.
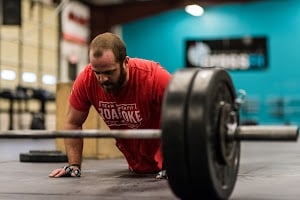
(110, 74)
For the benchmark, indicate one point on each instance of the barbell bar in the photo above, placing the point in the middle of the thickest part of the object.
(200, 133)
(91, 133)
(250, 133)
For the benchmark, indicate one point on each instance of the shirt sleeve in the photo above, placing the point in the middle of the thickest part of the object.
(161, 81)
(79, 93)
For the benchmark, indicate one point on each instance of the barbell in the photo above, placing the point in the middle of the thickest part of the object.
(200, 133)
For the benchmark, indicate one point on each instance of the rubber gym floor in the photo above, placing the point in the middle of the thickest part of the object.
(268, 171)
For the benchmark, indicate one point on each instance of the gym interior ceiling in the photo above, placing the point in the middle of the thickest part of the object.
(107, 13)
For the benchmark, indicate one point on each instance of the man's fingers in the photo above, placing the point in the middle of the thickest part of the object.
(61, 173)
(57, 173)
(53, 173)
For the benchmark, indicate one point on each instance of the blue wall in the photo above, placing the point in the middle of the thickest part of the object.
(162, 38)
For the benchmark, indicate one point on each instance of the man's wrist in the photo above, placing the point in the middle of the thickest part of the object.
(72, 171)
(75, 165)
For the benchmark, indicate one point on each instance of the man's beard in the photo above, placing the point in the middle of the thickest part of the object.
(115, 87)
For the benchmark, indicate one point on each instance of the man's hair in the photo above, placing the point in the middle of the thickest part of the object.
(109, 41)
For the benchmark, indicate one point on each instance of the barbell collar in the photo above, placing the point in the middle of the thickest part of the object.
(267, 133)
(92, 133)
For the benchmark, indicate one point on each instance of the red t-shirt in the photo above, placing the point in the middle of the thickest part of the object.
(136, 106)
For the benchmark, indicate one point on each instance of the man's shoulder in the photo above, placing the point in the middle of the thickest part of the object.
(141, 60)
(86, 71)
(87, 68)
(85, 76)
(143, 64)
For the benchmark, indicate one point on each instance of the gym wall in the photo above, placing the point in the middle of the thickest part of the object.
(273, 95)
(28, 46)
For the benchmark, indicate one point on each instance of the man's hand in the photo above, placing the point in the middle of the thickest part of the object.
(57, 173)
(162, 175)
(66, 171)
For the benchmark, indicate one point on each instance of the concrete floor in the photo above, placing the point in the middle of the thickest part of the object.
(268, 171)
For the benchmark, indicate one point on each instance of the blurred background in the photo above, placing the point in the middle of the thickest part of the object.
(44, 43)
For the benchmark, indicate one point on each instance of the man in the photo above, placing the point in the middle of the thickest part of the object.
(128, 94)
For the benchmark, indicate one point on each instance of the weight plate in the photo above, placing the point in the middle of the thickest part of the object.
(210, 178)
(174, 122)
(227, 119)
(43, 156)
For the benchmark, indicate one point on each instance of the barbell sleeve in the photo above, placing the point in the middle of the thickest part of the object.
(267, 133)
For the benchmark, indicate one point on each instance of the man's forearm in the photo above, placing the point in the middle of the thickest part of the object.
(74, 148)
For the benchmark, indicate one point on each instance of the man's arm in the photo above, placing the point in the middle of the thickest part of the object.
(74, 147)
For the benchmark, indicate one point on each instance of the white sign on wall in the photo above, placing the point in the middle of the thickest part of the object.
(75, 23)
(75, 38)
